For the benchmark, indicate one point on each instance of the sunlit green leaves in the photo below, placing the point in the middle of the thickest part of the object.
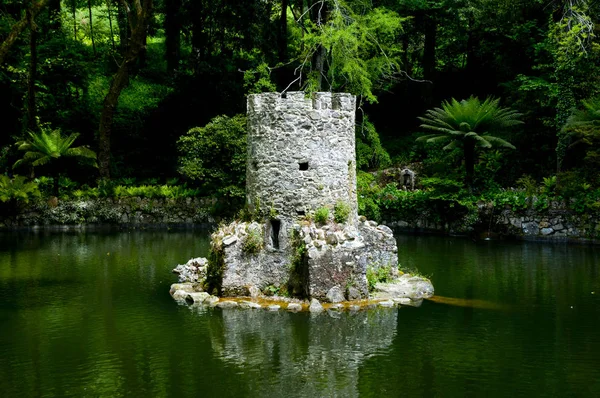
(362, 50)
(46, 145)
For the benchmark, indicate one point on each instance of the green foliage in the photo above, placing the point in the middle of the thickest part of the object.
(214, 156)
(360, 45)
(370, 154)
(368, 194)
(341, 212)
(378, 274)
(583, 130)
(468, 124)
(469, 120)
(17, 189)
(48, 145)
(272, 290)
(253, 242)
(528, 184)
(322, 215)
(155, 191)
(258, 80)
(549, 185)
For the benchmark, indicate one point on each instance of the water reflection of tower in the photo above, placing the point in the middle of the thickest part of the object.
(299, 354)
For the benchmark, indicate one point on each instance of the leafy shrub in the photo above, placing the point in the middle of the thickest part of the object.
(341, 211)
(549, 185)
(322, 215)
(214, 156)
(17, 189)
(368, 196)
(528, 183)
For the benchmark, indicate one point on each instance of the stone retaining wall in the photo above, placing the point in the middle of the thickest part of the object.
(553, 224)
(124, 211)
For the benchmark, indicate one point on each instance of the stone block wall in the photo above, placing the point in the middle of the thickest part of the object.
(109, 211)
(301, 152)
(555, 224)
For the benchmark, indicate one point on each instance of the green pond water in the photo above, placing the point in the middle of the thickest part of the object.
(89, 315)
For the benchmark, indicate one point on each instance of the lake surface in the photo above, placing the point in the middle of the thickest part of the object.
(89, 315)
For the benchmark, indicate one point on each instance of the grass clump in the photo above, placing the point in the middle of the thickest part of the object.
(341, 211)
(378, 274)
(322, 215)
(253, 241)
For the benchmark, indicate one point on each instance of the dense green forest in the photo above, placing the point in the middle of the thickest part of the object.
(502, 93)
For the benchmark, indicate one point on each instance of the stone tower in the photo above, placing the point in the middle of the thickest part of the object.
(301, 153)
(301, 156)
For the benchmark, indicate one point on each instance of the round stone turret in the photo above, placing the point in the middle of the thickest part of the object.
(301, 153)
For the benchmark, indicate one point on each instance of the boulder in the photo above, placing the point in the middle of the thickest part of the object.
(211, 301)
(407, 286)
(315, 306)
(353, 293)
(227, 304)
(335, 295)
(197, 298)
(180, 295)
(249, 305)
(186, 287)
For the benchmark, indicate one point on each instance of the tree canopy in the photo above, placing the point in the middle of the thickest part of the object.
(132, 77)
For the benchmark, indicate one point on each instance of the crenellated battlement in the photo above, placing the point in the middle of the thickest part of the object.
(298, 101)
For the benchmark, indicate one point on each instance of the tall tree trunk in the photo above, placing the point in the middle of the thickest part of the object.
(31, 105)
(124, 32)
(143, 55)
(91, 27)
(172, 34)
(430, 27)
(138, 14)
(282, 33)
(112, 34)
(19, 27)
(319, 15)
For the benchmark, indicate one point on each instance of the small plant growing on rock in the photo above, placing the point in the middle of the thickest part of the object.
(253, 241)
(322, 215)
(341, 211)
(379, 274)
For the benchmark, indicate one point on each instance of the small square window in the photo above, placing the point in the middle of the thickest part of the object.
(303, 166)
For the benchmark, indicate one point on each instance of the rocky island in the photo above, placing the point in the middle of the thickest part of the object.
(300, 244)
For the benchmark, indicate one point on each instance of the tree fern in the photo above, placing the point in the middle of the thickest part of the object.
(49, 147)
(468, 124)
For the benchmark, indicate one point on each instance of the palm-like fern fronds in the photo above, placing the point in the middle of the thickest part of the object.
(468, 124)
(45, 146)
(469, 116)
